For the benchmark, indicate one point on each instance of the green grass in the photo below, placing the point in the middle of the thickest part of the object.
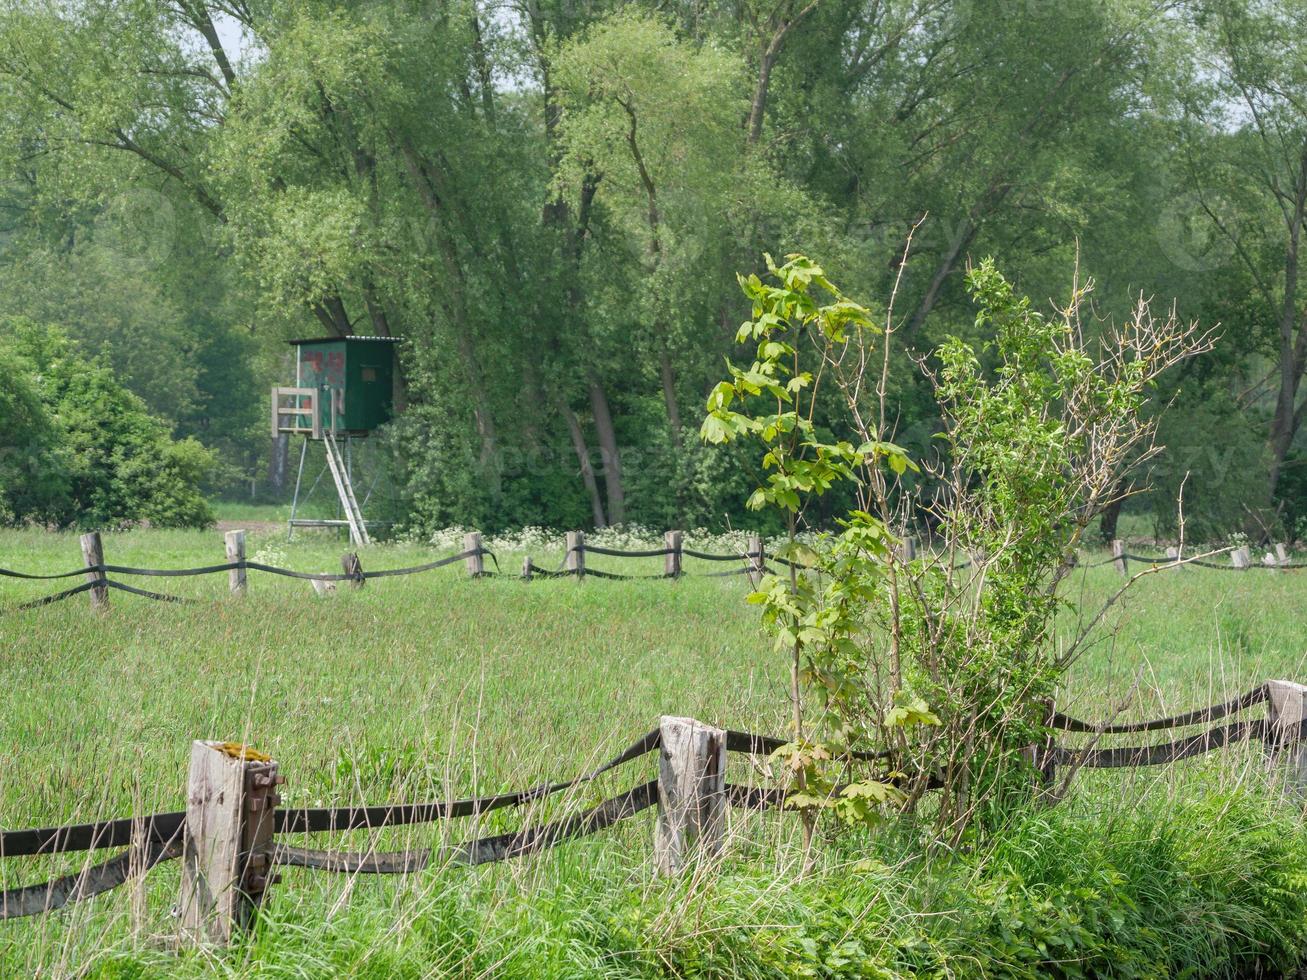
(432, 686)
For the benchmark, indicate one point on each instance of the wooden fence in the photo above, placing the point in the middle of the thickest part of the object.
(227, 837)
(98, 584)
(1240, 560)
(753, 562)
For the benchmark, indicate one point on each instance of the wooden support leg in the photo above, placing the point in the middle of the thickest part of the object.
(576, 554)
(476, 563)
(352, 567)
(1286, 712)
(235, 543)
(93, 557)
(755, 559)
(691, 793)
(227, 853)
(672, 560)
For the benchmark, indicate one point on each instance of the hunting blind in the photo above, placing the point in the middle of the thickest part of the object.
(344, 387)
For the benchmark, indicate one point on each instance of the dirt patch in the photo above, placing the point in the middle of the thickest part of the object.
(250, 525)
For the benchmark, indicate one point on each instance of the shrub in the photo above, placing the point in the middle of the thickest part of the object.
(92, 455)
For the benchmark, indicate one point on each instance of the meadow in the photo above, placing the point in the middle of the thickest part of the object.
(434, 686)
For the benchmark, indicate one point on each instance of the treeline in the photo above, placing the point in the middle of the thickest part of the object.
(550, 201)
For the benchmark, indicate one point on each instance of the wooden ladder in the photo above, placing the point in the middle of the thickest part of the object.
(358, 529)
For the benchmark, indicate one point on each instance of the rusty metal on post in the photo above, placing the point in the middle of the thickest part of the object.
(1286, 741)
(1118, 555)
(691, 793)
(93, 558)
(576, 554)
(351, 566)
(231, 797)
(672, 560)
(476, 562)
(235, 545)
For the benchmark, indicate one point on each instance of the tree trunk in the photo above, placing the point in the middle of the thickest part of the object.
(608, 449)
(669, 397)
(1284, 424)
(1111, 515)
(758, 106)
(454, 289)
(583, 458)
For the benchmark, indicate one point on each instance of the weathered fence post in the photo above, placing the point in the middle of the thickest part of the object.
(227, 851)
(475, 562)
(1239, 558)
(323, 586)
(93, 558)
(576, 554)
(757, 561)
(1173, 555)
(907, 549)
(1281, 556)
(672, 560)
(527, 568)
(1118, 555)
(691, 793)
(351, 566)
(235, 542)
(1286, 712)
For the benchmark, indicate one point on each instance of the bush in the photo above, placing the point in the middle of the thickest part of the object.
(85, 451)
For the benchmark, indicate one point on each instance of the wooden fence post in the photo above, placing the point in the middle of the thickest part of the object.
(323, 587)
(1173, 554)
(576, 554)
(227, 851)
(476, 563)
(691, 793)
(1286, 711)
(526, 568)
(235, 542)
(93, 557)
(672, 560)
(1239, 558)
(756, 560)
(1281, 556)
(1118, 555)
(907, 549)
(351, 566)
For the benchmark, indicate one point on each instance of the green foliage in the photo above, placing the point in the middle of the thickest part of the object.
(96, 457)
(774, 402)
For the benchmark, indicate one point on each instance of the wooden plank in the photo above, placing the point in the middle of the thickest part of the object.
(691, 793)
(672, 561)
(93, 557)
(476, 564)
(235, 544)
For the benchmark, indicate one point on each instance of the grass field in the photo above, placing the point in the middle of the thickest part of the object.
(434, 686)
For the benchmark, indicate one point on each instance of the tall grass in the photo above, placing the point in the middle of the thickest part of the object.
(435, 686)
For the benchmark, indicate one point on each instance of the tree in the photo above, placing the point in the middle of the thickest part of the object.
(1247, 134)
